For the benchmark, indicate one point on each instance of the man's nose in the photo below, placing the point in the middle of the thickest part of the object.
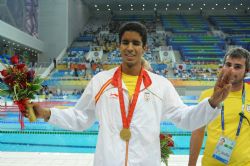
(232, 68)
(130, 46)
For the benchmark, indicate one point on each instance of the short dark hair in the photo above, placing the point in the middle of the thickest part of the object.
(239, 52)
(136, 27)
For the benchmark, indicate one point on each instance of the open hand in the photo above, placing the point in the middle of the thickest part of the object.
(222, 87)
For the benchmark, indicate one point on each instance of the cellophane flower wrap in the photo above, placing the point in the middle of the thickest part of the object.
(22, 86)
(166, 143)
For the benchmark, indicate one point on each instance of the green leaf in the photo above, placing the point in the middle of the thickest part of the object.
(22, 93)
(35, 87)
(37, 80)
(31, 96)
(16, 87)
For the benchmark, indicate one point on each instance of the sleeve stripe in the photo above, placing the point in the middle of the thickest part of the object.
(98, 95)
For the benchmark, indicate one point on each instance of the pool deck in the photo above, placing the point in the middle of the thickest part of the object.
(67, 159)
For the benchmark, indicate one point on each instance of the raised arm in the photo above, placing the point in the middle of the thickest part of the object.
(192, 118)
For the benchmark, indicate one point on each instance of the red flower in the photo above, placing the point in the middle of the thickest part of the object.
(170, 143)
(8, 79)
(162, 136)
(30, 75)
(169, 135)
(166, 142)
(4, 73)
(14, 60)
(22, 85)
(20, 66)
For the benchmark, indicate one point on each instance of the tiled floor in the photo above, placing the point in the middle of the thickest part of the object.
(65, 159)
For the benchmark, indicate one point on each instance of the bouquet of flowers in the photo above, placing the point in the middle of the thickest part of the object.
(166, 143)
(22, 86)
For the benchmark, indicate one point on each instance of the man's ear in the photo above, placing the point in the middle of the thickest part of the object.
(246, 73)
(145, 47)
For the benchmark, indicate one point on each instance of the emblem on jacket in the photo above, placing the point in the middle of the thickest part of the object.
(147, 96)
(114, 95)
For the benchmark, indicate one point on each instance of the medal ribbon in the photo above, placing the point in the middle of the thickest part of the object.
(127, 120)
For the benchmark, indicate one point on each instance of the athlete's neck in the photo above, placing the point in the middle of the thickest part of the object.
(237, 87)
(131, 70)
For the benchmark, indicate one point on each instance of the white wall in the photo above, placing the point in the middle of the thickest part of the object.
(78, 17)
(53, 27)
(60, 22)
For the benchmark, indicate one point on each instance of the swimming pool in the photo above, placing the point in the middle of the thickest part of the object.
(42, 137)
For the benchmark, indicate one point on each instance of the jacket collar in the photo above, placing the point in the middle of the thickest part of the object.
(145, 77)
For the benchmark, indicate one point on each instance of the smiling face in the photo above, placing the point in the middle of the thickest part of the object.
(238, 66)
(132, 50)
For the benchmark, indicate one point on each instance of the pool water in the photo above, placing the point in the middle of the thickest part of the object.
(42, 137)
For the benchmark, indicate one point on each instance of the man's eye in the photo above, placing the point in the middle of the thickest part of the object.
(125, 42)
(136, 43)
(237, 67)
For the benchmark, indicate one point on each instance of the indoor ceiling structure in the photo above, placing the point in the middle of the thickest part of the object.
(163, 5)
(16, 46)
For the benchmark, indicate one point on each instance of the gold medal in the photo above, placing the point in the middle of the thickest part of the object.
(125, 134)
